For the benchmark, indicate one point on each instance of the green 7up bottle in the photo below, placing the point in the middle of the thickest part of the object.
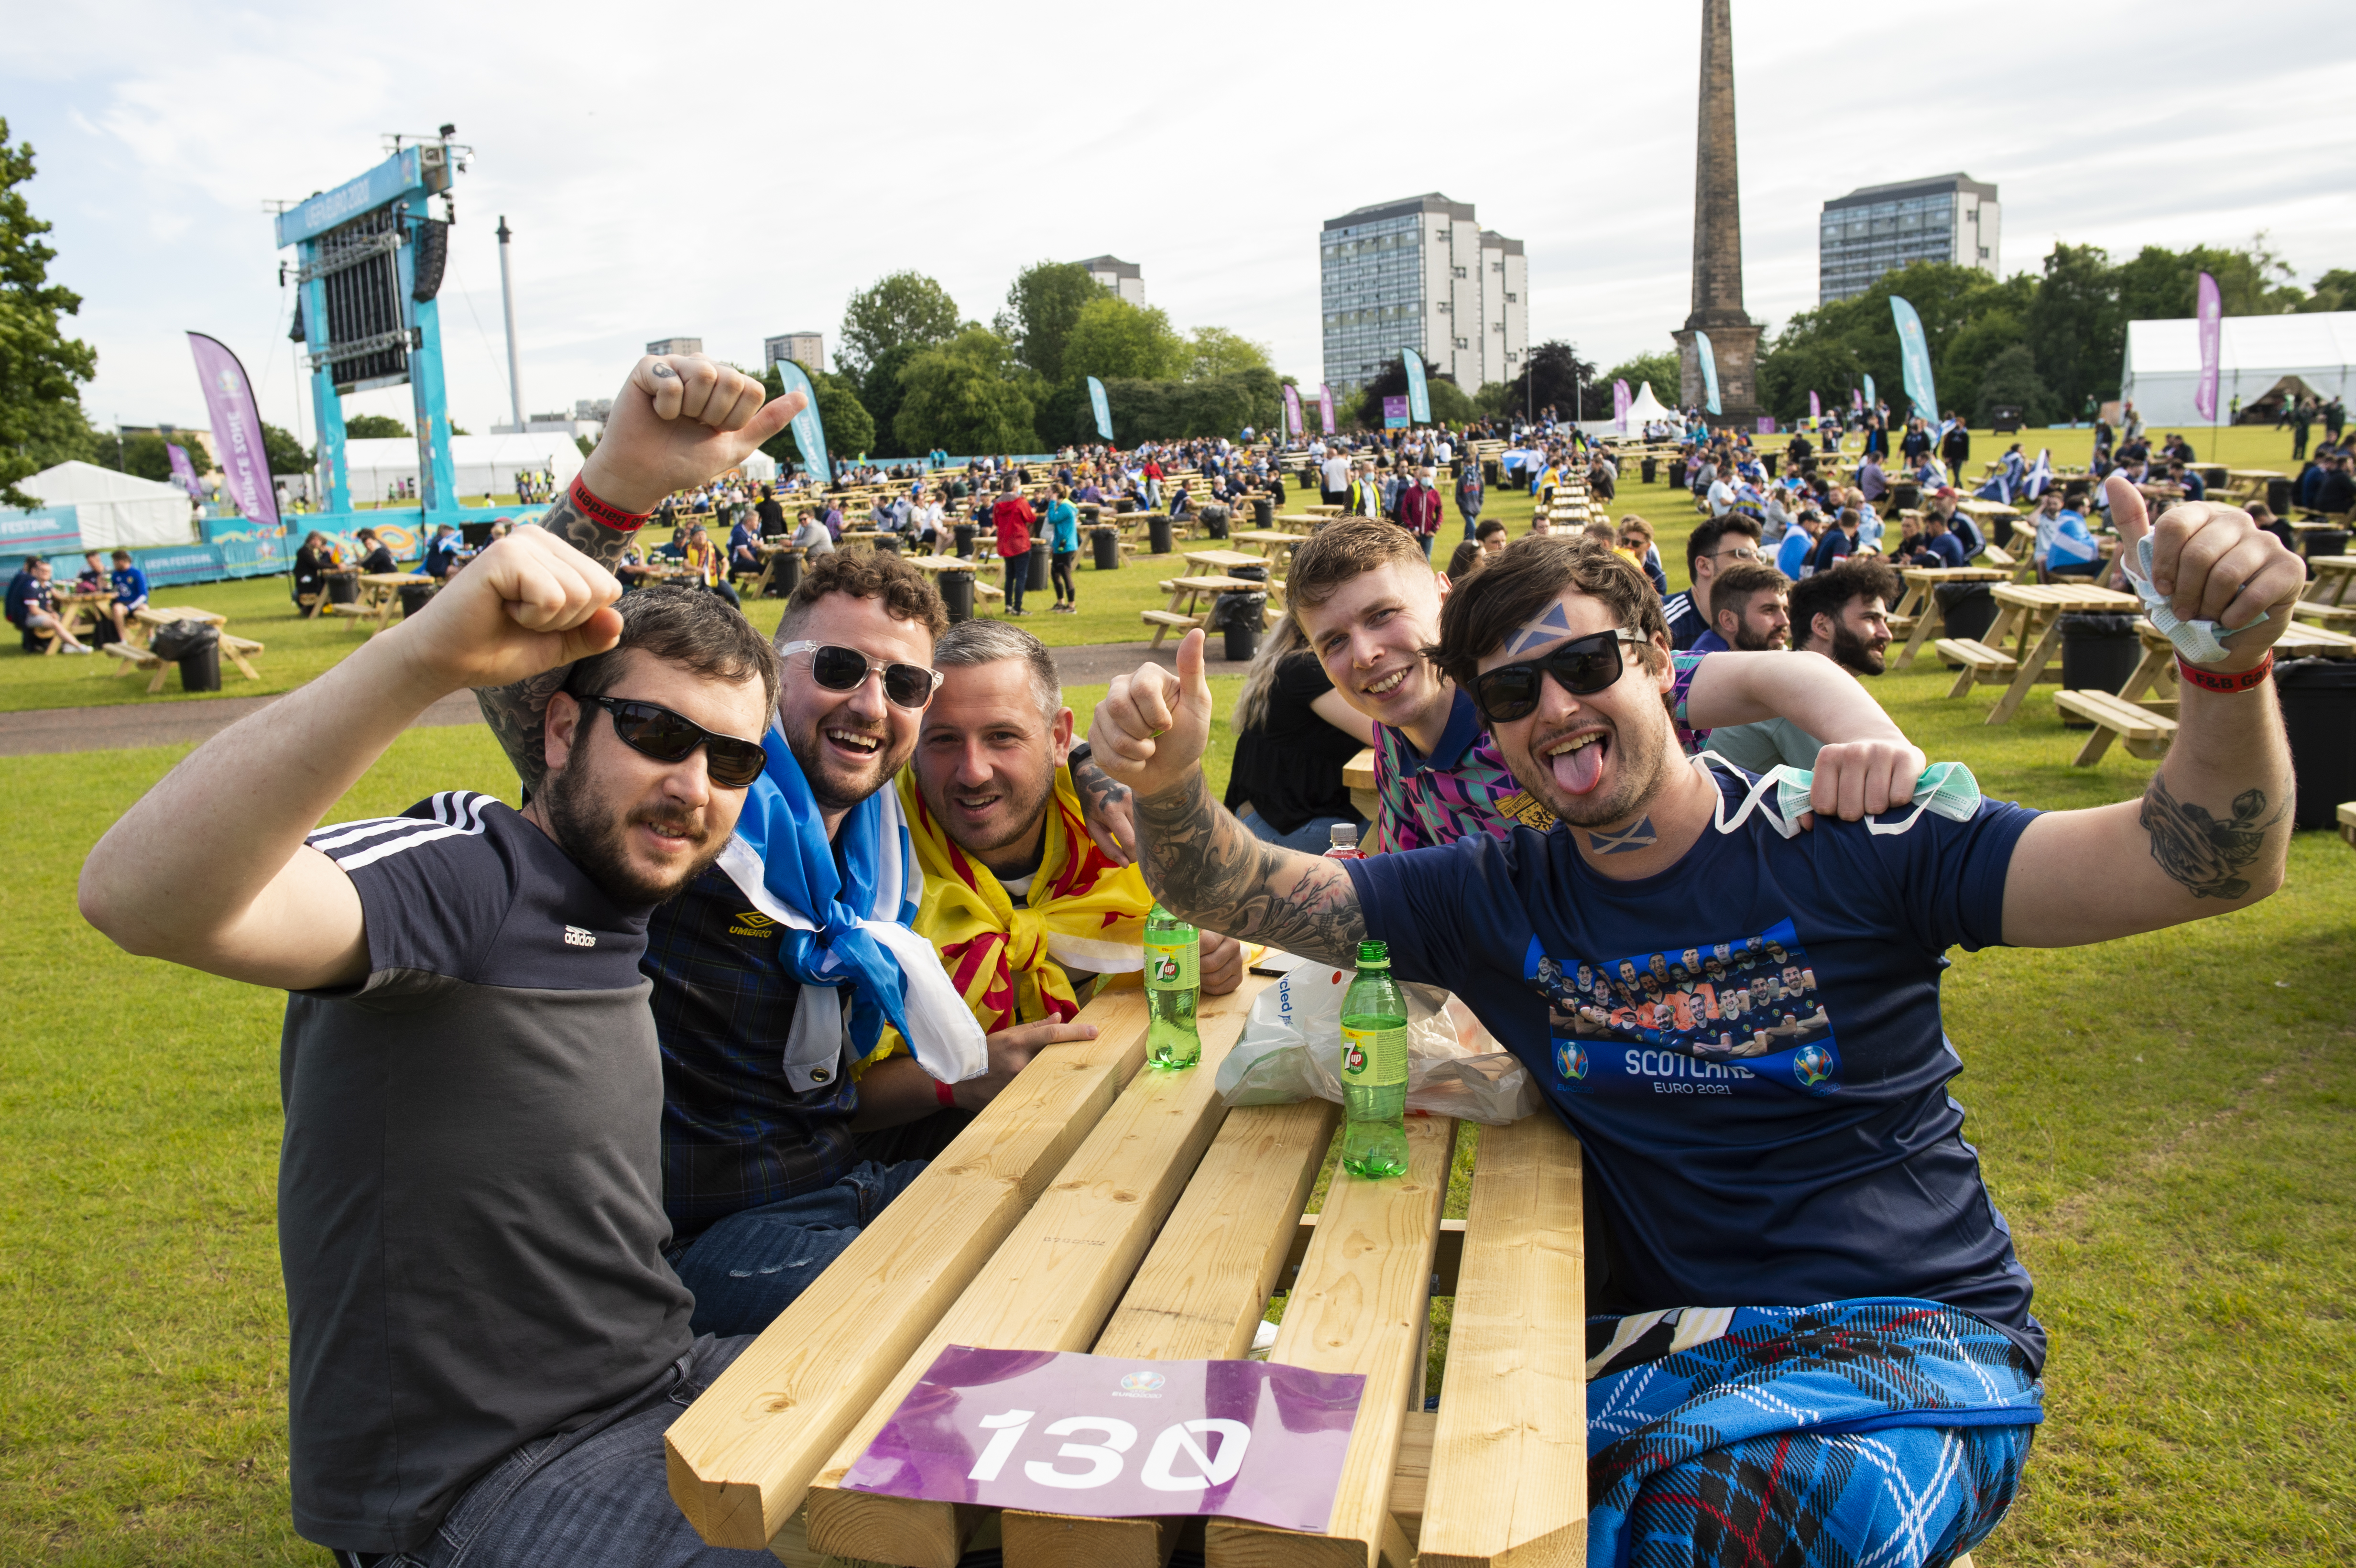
(1374, 1068)
(1173, 984)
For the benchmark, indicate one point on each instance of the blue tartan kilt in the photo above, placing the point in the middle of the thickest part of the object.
(1869, 1434)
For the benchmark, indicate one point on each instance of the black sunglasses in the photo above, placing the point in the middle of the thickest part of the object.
(845, 670)
(1581, 666)
(668, 737)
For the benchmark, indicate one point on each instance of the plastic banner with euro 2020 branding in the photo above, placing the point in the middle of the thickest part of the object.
(1871, 400)
(1104, 1437)
(809, 430)
(1103, 409)
(237, 430)
(1419, 392)
(1815, 409)
(1325, 407)
(1708, 357)
(2210, 309)
(184, 473)
(1914, 359)
(1292, 420)
(1621, 403)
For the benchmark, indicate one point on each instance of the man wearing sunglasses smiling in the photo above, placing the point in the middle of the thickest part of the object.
(1762, 1092)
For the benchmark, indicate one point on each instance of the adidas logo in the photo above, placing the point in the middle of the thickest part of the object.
(576, 937)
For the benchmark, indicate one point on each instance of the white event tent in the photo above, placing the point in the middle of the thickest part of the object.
(1643, 409)
(485, 465)
(2163, 361)
(115, 511)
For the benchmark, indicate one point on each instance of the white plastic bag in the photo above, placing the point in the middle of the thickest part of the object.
(1292, 1045)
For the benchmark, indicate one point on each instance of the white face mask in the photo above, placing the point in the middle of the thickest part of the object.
(1944, 789)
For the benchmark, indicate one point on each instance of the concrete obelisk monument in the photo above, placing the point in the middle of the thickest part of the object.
(1718, 239)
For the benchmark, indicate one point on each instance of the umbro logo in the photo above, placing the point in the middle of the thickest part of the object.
(752, 923)
(576, 937)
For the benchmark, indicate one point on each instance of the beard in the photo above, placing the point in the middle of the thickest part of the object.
(835, 785)
(1750, 642)
(594, 832)
(1853, 652)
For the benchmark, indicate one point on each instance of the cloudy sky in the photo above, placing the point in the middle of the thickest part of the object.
(734, 173)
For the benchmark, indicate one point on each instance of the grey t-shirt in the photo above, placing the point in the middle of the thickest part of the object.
(470, 1210)
(1755, 748)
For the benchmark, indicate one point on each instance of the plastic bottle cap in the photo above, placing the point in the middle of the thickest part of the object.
(1374, 955)
(1343, 836)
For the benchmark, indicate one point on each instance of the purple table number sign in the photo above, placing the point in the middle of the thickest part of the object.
(1056, 1432)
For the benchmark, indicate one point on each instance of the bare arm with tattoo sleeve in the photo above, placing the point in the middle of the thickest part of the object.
(2212, 831)
(1202, 863)
(678, 420)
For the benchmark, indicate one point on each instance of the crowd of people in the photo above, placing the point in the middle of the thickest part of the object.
(581, 1096)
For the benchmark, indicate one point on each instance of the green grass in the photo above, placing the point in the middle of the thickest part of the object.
(2165, 1121)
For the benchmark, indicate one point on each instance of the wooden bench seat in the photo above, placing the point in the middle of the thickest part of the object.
(2348, 822)
(2144, 732)
(2324, 614)
(1170, 618)
(1981, 663)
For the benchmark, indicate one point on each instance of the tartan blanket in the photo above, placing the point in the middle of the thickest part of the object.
(1868, 1433)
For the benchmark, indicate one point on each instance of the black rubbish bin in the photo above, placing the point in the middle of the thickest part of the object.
(2326, 541)
(343, 588)
(1157, 528)
(1124, 504)
(1767, 460)
(2278, 496)
(195, 646)
(1215, 520)
(963, 534)
(1966, 610)
(2098, 652)
(1263, 512)
(1489, 471)
(413, 596)
(1676, 473)
(1652, 468)
(957, 594)
(888, 543)
(789, 575)
(200, 671)
(1042, 560)
(1903, 496)
(2318, 709)
(1106, 543)
(1241, 617)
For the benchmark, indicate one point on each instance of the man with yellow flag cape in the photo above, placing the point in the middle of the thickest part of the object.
(1026, 909)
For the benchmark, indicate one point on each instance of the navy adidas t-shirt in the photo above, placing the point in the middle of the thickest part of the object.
(1747, 1044)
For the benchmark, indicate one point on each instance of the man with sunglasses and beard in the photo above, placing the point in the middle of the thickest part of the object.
(778, 970)
(486, 1344)
(1798, 1245)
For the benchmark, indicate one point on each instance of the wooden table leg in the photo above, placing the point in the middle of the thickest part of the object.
(2008, 621)
(2030, 669)
(1926, 619)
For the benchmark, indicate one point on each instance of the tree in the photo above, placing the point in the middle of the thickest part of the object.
(1113, 337)
(144, 453)
(1042, 308)
(2075, 328)
(1216, 351)
(1547, 378)
(1449, 404)
(373, 427)
(2012, 379)
(899, 309)
(1659, 369)
(2336, 289)
(286, 455)
(963, 396)
(41, 421)
(880, 393)
(850, 431)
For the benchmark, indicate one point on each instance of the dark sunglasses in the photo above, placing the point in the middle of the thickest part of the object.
(1582, 666)
(845, 670)
(668, 737)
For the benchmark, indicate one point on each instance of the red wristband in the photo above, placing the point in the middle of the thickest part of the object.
(604, 512)
(2240, 681)
(944, 1094)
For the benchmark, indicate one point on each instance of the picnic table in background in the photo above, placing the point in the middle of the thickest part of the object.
(1095, 1207)
(941, 566)
(79, 612)
(2334, 574)
(1358, 778)
(380, 595)
(148, 619)
(2029, 615)
(1918, 612)
(322, 603)
(1195, 600)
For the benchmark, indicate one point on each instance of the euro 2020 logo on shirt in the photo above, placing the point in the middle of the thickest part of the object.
(1812, 1065)
(1569, 1059)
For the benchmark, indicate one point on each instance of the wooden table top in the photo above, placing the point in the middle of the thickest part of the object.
(2064, 596)
(1220, 585)
(393, 578)
(1953, 574)
(2323, 563)
(941, 564)
(1223, 558)
(1269, 536)
(165, 614)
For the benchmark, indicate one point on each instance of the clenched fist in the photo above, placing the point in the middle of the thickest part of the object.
(679, 419)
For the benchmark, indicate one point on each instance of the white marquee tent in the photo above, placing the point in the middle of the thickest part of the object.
(115, 511)
(1643, 409)
(2163, 361)
(486, 464)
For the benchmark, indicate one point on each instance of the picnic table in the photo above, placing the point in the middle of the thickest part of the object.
(1222, 560)
(1095, 1207)
(2028, 611)
(323, 599)
(1195, 601)
(148, 619)
(2336, 570)
(1919, 605)
(75, 608)
(1358, 778)
(379, 592)
(941, 566)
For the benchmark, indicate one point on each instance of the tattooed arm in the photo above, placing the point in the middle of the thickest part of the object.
(1148, 735)
(678, 420)
(2212, 831)
(1108, 808)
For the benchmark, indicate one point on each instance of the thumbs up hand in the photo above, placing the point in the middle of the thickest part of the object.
(1152, 727)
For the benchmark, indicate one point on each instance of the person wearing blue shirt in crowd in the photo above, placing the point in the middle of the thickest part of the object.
(1734, 1005)
(130, 585)
(2063, 546)
(1799, 544)
(1940, 546)
(743, 539)
(1840, 540)
(33, 609)
(1062, 522)
(441, 553)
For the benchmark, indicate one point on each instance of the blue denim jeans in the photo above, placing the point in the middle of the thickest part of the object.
(596, 1497)
(749, 1267)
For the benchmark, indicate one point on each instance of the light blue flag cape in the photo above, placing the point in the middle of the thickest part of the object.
(848, 928)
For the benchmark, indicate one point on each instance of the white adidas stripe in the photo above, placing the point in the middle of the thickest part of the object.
(456, 813)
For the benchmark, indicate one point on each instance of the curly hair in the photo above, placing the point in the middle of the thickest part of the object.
(907, 593)
(1532, 574)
